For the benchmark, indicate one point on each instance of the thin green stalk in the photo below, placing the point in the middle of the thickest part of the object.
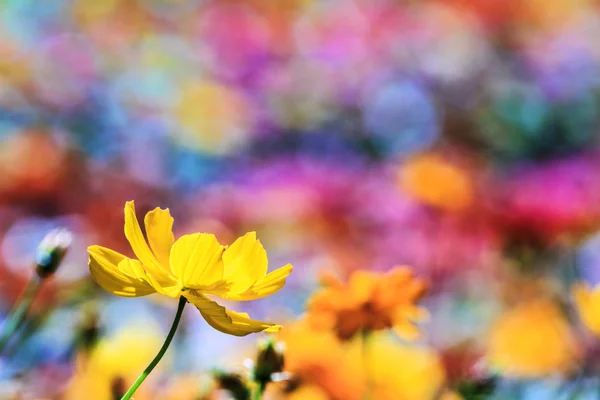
(161, 352)
(365, 337)
(18, 313)
(259, 391)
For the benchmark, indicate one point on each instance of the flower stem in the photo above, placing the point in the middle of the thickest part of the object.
(161, 352)
(18, 313)
(258, 391)
(366, 341)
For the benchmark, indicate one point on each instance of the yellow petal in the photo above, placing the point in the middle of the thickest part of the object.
(407, 331)
(244, 263)
(270, 284)
(582, 292)
(104, 269)
(196, 260)
(587, 303)
(417, 314)
(159, 229)
(226, 321)
(134, 235)
(135, 269)
(362, 285)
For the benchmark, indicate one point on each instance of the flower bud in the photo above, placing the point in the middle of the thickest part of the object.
(234, 384)
(88, 330)
(52, 251)
(118, 387)
(478, 388)
(269, 361)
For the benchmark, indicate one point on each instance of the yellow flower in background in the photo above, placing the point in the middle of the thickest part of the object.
(587, 303)
(195, 266)
(370, 302)
(113, 365)
(434, 181)
(403, 372)
(532, 340)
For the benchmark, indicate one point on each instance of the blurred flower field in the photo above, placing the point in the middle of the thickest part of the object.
(430, 169)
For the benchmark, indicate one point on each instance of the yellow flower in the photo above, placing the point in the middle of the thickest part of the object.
(371, 301)
(532, 340)
(587, 303)
(114, 361)
(194, 266)
(403, 372)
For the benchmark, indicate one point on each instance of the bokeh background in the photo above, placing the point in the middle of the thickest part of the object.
(459, 137)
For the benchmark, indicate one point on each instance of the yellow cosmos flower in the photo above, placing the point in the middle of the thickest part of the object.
(370, 301)
(195, 266)
(587, 303)
(533, 340)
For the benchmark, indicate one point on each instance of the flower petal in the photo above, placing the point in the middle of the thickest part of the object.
(417, 314)
(134, 235)
(244, 262)
(407, 331)
(159, 229)
(196, 260)
(226, 321)
(270, 284)
(362, 285)
(104, 269)
(135, 270)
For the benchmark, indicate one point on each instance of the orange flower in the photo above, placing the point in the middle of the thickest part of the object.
(388, 371)
(370, 302)
(434, 181)
(321, 364)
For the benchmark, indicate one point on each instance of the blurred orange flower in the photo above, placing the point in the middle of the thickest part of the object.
(587, 303)
(308, 392)
(326, 368)
(369, 302)
(320, 363)
(448, 395)
(532, 340)
(436, 182)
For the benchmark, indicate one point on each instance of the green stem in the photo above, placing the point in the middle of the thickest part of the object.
(258, 392)
(365, 337)
(18, 313)
(161, 352)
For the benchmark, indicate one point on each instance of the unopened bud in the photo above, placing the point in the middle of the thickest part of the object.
(269, 361)
(234, 384)
(52, 251)
(118, 387)
(88, 331)
(478, 388)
